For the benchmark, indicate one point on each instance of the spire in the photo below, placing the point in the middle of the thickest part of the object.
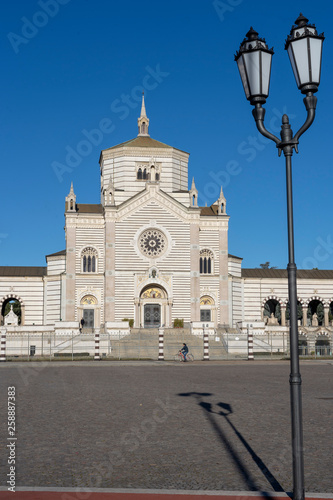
(143, 121)
(221, 203)
(143, 107)
(71, 200)
(193, 195)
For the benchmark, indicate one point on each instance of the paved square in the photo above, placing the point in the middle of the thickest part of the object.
(209, 426)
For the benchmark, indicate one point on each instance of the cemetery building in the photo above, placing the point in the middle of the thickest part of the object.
(148, 253)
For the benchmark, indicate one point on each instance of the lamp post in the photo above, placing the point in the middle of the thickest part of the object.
(254, 58)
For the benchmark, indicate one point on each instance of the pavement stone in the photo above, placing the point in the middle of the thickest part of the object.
(201, 426)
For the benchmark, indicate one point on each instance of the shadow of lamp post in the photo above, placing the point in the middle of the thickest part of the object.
(254, 58)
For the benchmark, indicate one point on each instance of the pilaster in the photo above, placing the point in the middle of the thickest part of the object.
(70, 270)
(110, 235)
(223, 275)
(195, 272)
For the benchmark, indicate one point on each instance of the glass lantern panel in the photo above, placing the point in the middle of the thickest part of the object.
(242, 72)
(315, 49)
(300, 48)
(293, 64)
(253, 71)
(266, 62)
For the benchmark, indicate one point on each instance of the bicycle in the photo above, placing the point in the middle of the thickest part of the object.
(179, 357)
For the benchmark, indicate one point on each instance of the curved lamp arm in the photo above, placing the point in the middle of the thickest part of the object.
(286, 141)
(259, 116)
(310, 102)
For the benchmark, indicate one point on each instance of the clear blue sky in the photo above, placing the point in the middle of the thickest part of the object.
(70, 73)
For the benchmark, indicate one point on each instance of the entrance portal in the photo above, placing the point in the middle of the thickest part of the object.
(152, 315)
(88, 316)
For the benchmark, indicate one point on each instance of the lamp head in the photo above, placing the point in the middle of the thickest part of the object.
(254, 60)
(304, 47)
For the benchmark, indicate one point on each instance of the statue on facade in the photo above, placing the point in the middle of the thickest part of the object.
(314, 320)
(272, 320)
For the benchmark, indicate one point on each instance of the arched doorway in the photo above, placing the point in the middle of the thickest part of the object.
(207, 304)
(315, 313)
(88, 308)
(15, 305)
(272, 312)
(153, 306)
(322, 346)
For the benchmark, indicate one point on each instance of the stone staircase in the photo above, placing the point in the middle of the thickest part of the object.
(143, 344)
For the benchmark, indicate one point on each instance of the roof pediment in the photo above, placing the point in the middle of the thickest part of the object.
(161, 197)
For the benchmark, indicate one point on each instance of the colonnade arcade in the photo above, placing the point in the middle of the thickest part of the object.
(312, 312)
(321, 344)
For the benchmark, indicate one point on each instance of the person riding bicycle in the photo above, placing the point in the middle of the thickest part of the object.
(184, 351)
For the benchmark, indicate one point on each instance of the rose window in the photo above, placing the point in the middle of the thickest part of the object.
(152, 243)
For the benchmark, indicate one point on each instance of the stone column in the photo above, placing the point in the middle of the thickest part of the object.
(70, 267)
(305, 315)
(326, 311)
(283, 316)
(109, 302)
(223, 272)
(195, 271)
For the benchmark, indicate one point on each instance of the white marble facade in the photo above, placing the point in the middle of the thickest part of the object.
(148, 253)
(137, 254)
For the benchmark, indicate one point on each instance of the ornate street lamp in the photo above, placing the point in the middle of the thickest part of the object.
(254, 61)
(304, 47)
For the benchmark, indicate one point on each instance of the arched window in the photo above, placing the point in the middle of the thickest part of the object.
(272, 312)
(89, 260)
(144, 175)
(315, 314)
(206, 262)
(157, 176)
(139, 174)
